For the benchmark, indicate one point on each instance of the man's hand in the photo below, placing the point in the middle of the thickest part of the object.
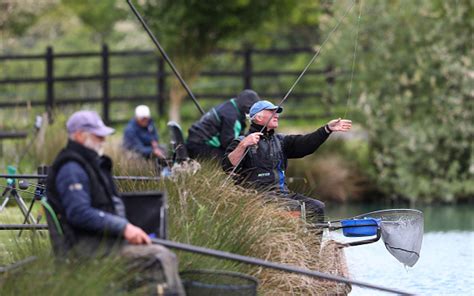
(135, 235)
(251, 140)
(237, 154)
(340, 125)
(157, 152)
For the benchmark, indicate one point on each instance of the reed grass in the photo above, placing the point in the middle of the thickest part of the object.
(204, 210)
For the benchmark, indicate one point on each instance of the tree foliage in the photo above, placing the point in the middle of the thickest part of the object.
(414, 79)
(100, 16)
(191, 29)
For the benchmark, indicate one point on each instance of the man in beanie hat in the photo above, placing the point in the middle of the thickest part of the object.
(210, 136)
(81, 191)
(263, 166)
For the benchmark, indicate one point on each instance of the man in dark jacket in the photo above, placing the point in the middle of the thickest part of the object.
(81, 191)
(141, 135)
(210, 136)
(263, 165)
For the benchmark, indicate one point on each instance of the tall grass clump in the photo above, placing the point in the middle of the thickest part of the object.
(45, 274)
(207, 210)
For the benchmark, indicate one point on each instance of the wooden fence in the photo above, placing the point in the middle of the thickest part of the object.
(246, 74)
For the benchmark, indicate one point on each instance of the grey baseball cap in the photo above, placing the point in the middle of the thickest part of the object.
(88, 121)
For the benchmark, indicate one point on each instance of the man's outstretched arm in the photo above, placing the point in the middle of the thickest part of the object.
(297, 146)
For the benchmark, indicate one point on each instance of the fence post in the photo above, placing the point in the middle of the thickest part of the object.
(247, 73)
(160, 86)
(105, 84)
(49, 83)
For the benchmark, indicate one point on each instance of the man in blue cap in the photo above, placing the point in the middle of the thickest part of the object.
(263, 166)
(82, 193)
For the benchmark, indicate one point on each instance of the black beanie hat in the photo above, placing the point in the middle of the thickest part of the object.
(246, 99)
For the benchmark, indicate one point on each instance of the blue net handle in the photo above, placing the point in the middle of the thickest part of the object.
(360, 227)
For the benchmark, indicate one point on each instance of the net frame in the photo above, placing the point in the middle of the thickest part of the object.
(402, 232)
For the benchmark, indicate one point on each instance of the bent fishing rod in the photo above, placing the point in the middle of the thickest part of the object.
(318, 51)
(165, 56)
(272, 265)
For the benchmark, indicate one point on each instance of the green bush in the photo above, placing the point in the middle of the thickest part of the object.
(414, 80)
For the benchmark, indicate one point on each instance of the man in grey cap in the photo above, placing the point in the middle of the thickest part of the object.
(263, 166)
(81, 190)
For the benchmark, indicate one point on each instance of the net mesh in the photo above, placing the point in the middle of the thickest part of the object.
(402, 233)
(223, 283)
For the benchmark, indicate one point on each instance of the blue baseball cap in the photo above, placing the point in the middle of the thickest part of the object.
(88, 121)
(263, 105)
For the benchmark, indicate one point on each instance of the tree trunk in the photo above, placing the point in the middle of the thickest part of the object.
(177, 93)
(189, 71)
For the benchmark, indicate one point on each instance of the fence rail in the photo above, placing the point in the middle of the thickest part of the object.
(247, 75)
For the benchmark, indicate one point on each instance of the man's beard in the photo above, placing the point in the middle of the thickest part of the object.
(98, 147)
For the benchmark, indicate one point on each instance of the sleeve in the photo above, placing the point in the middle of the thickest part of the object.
(132, 142)
(73, 187)
(297, 146)
(230, 130)
(154, 132)
(226, 164)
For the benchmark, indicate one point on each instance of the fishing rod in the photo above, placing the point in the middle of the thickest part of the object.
(23, 226)
(272, 265)
(165, 56)
(318, 51)
(42, 176)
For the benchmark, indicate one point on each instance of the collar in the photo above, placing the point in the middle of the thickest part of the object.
(137, 126)
(257, 128)
(234, 103)
(83, 150)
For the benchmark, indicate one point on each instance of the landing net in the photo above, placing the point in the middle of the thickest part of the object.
(402, 233)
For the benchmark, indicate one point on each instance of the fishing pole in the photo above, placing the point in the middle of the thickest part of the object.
(23, 226)
(318, 51)
(118, 178)
(273, 265)
(165, 56)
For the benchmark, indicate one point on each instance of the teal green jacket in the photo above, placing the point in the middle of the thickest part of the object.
(219, 127)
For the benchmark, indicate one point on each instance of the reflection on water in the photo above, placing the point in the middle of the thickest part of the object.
(446, 265)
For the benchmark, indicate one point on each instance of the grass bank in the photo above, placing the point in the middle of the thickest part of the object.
(204, 210)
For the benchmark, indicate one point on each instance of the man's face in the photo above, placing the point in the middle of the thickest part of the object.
(263, 116)
(143, 121)
(91, 141)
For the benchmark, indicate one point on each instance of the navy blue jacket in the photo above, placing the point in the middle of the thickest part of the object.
(72, 184)
(138, 139)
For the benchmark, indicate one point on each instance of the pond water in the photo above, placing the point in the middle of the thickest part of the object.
(446, 264)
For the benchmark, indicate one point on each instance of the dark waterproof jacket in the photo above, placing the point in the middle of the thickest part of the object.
(84, 242)
(264, 166)
(218, 127)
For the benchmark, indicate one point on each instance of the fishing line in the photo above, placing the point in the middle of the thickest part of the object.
(354, 55)
(294, 84)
